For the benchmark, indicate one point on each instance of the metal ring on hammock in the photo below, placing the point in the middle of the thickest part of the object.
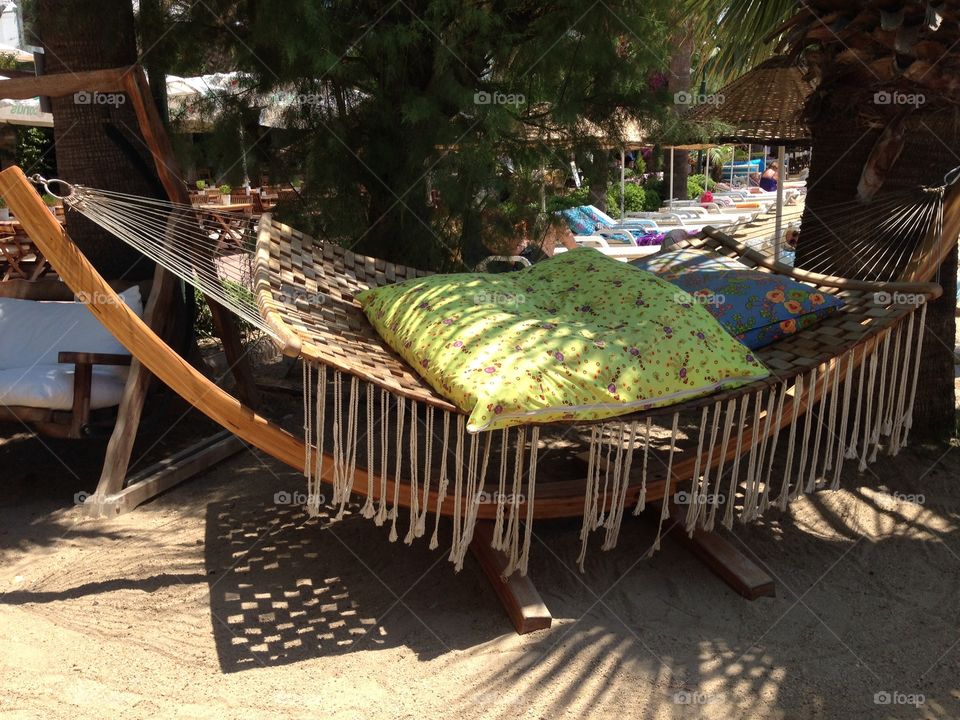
(71, 190)
(951, 177)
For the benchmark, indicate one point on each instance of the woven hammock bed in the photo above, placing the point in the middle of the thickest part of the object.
(837, 392)
(876, 327)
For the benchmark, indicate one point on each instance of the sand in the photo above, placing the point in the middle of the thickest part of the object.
(213, 601)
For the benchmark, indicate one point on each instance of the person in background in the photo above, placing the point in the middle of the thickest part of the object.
(754, 179)
(768, 181)
(791, 237)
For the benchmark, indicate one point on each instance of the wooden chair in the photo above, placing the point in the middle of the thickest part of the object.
(75, 422)
(20, 258)
(41, 416)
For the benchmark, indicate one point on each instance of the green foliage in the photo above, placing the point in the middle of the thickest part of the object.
(574, 198)
(651, 200)
(731, 33)
(721, 155)
(413, 124)
(639, 167)
(201, 185)
(225, 189)
(8, 61)
(634, 199)
(3, 202)
(203, 321)
(35, 151)
(49, 200)
(698, 184)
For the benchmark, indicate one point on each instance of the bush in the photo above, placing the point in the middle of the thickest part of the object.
(634, 199)
(698, 184)
(651, 200)
(639, 166)
(574, 198)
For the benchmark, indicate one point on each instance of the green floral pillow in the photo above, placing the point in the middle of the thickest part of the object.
(578, 337)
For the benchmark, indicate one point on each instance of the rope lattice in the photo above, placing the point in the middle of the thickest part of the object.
(212, 251)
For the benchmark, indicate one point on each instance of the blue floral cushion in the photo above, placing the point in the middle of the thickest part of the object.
(757, 308)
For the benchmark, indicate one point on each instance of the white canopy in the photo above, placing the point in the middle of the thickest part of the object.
(193, 103)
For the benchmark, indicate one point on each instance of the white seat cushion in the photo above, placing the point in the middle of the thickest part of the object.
(51, 386)
(34, 333)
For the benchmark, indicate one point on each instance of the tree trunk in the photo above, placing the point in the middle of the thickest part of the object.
(595, 165)
(678, 80)
(97, 137)
(840, 150)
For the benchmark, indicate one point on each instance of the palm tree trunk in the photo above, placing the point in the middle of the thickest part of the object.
(97, 137)
(678, 80)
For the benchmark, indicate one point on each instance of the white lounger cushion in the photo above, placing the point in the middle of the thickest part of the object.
(33, 333)
(51, 386)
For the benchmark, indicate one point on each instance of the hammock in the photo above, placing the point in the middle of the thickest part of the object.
(837, 391)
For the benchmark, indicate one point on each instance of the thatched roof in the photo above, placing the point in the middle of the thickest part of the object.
(764, 105)
(621, 131)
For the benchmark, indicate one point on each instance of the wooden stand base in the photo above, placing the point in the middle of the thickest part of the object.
(163, 475)
(724, 560)
(518, 595)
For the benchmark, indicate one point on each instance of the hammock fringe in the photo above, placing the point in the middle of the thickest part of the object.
(736, 443)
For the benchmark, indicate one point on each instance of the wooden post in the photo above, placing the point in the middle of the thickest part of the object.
(517, 593)
(781, 178)
(623, 180)
(116, 462)
(670, 202)
(135, 83)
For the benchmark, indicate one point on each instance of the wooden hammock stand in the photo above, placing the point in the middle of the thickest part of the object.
(117, 493)
(339, 343)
